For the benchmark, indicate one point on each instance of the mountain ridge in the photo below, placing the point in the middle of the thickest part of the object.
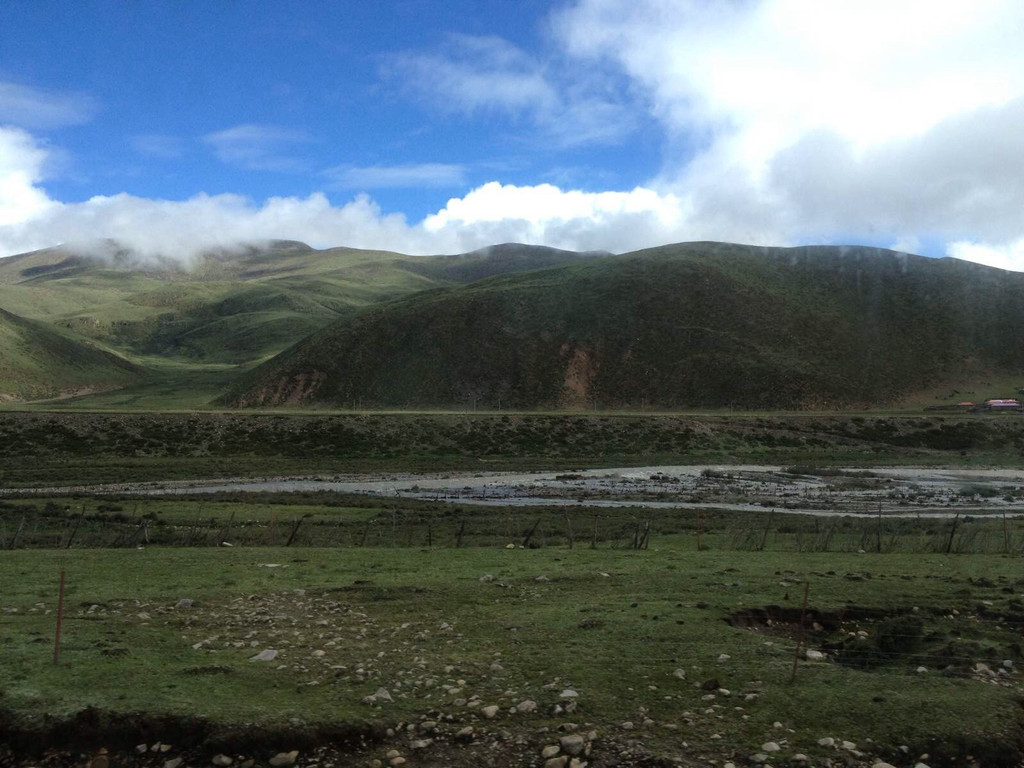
(689, 325)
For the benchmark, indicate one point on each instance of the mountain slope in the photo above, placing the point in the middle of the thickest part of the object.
(232, 307)
(37, 361)
(698, 324)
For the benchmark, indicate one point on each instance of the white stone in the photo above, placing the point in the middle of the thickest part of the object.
(572, 744)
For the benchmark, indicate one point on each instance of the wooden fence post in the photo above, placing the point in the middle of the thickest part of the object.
(800, 635)
(60, 618)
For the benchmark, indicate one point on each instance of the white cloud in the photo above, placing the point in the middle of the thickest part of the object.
(258, 147)
(784, 122)
(492, 213)
(476, 74)
(407, 175)
(35, 108)
(1009, 255)
(488, 75)
(824, 119)
(21, 169)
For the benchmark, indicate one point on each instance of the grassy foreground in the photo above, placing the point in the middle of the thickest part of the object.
(639, 635)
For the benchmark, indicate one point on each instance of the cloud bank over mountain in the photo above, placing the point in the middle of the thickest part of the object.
(779, 122)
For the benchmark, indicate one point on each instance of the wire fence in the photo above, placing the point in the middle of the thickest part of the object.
(127, 523)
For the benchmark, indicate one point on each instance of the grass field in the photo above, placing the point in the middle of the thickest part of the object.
(385, 593)
(449, 632)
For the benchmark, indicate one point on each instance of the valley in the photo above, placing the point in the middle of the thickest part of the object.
(325, 508)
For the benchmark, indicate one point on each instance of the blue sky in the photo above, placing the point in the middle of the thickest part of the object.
(440, 127)
(278, 98)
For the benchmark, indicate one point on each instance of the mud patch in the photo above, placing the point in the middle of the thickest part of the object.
(64, 740)
(977, 644)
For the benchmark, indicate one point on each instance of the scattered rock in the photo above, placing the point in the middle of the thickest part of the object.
(572, 745)
(174, 762)
(381, 695)
(556, 762)
(770, 746)
(550, 751)
(284, 759)
(486, 578)
(266, 655)
(526, 706)
(490, 712)
(221, 760)
(184, 603)
(679, 674)
(568, 693)
(828, 741)
(723, 657)
(813, 655)
(465, 735)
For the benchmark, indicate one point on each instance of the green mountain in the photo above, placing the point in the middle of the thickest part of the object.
(231, 307)
(690, 325)
(194, 326)
(228, 307)
(37, 361)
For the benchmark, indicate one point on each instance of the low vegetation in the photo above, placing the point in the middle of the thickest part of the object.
(671, 653)
(87, 448)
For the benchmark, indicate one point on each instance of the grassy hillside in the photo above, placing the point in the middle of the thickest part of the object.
(699, 324)
(39, 362)
(229, 307)
(195, 325)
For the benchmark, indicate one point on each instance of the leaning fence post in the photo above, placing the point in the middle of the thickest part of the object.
(952, 533)
(60, 617)
(800, 632)
(17, 533)
(295, 529)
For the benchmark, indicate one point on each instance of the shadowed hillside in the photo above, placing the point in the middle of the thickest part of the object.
(38, 362)
(699, 324)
